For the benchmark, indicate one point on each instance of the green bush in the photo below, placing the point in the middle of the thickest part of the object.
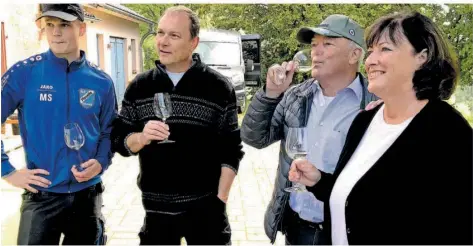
(462, 100)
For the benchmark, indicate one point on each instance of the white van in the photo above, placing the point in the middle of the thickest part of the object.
(222, 51)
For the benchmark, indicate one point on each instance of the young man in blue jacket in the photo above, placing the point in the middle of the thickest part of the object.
(50, 90)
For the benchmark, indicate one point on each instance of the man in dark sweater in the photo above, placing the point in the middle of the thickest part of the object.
(185, 184)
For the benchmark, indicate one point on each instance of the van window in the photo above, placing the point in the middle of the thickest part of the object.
(250, 51)
(218, 53)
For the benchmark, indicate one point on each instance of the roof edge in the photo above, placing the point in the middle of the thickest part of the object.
(131, 14)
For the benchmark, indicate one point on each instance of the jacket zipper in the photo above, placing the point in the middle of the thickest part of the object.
(306, 116)
(308, 102)
(68, 118)
(280, 217)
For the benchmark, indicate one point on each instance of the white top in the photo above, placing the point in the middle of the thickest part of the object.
(328, 100)
(175, 77)
(378, 138)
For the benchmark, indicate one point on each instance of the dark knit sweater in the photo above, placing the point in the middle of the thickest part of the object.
(203, 125)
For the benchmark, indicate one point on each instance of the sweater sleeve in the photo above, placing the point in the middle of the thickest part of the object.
(229, 136)
(126, 123)
(323, 188)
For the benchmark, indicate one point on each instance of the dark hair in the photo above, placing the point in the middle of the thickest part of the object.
(437, 78)
(194, 19)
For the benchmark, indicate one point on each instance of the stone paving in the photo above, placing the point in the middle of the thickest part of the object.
(124, 213)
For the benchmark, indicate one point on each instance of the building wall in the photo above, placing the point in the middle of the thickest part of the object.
(22, 34)
(23, 39)
(112, 26)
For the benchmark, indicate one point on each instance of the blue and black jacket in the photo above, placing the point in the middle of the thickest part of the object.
(49, 93)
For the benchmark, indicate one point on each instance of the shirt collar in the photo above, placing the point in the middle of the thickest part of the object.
(354, 86)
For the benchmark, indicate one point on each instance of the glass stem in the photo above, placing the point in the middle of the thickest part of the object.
(79, 168)
(299, 186)
(164, 121)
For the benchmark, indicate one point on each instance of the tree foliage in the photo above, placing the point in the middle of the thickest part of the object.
(278, 25)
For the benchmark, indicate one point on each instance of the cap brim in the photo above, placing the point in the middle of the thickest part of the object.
(306, 34)
(58, 14)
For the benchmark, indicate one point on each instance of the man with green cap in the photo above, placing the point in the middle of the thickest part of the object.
(325, 105)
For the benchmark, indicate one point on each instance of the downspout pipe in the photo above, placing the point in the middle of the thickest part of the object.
(151, 31)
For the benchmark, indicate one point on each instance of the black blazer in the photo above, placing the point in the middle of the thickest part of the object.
(419, 191)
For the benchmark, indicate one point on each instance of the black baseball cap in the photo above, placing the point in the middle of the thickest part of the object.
(67, 12)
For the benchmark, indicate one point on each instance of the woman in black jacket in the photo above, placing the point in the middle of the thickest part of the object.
(405, 173)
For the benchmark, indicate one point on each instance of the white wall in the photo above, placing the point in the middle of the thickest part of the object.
(23, 35)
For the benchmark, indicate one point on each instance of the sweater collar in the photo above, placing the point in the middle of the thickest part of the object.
(195, 61)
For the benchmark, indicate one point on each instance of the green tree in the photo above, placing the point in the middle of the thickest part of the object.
(278, 25)
(457, 25)
(152, 12)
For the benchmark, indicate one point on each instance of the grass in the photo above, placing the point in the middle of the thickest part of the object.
(240, 116)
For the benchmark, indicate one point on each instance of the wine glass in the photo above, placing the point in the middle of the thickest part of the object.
(163, 109)
(296, 147)
(74, 139)
(303, 62)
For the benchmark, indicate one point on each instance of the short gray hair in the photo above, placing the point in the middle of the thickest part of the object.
(194, 19)
(362, 57)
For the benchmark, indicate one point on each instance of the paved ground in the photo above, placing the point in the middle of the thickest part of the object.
(124, 213)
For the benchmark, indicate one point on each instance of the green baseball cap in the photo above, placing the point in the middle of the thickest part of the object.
(334, 26)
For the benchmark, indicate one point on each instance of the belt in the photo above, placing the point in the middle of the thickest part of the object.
(294, 217)
(99, 188)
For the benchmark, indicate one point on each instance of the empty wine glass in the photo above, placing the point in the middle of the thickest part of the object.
(163, 109)
(74, 139)
(303, 62)
(296, 147)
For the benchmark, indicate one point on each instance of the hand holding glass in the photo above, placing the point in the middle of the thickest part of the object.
(296, 147)
(74, 139)
(163, 109)
(302, 61)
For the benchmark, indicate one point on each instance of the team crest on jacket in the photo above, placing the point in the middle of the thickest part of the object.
(86, 98)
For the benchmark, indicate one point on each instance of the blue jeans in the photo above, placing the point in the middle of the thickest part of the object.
(45, 215)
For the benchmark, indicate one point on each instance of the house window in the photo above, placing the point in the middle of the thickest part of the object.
(250, 51)
(133, 57)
